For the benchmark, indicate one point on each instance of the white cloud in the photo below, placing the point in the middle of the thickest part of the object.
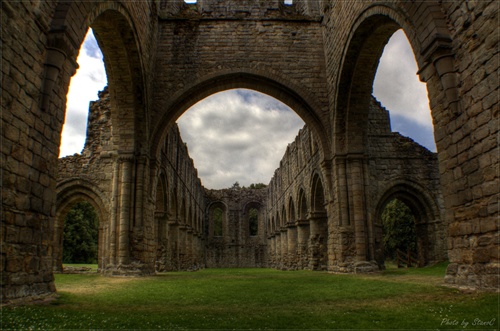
(398, 88)
(88, 80)
(238, 135)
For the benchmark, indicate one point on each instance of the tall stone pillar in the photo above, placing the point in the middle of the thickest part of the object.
(292, 245)
(358, 206)
(161, 241)
(182, 245)
(278, 259)
(284, 247)
(272, 249)
(173, 238)
(318, 227)
(113, 240)
(359, 215)
(303, 234)
(126, 166)
(189, 247)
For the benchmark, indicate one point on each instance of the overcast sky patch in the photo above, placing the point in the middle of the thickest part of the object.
(84, 86)
(241, 130)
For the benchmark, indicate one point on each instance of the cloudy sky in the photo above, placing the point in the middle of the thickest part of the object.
(241, 135)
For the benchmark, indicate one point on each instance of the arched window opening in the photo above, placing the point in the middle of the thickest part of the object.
(217, 216)
(81, 231)
(302, 206)
(291, 211)
(253, 221)
(398, 88)
(284, 218)
(89, 79)
(190, 2)
(288, 2)
(318, 203)
(229, 125)
(399, 233)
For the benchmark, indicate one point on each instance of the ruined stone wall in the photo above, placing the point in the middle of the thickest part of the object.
(93, 171)
(397, 168)
(162, 59)
(179, 208)
(468, 147)
(235, 247)
(400, 168)
(40, 42)
(455, 48)
(286, 216)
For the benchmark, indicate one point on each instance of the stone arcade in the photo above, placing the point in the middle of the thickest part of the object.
(322, 206)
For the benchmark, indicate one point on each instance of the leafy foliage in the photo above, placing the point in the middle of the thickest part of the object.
(399, 229)
(217, 216)
(80, 234)
(253, 221)
(236, 186)
(257, 185)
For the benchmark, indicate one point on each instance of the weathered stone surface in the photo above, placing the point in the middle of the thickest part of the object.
(318, 57)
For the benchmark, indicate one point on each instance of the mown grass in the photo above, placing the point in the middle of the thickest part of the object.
(91, 266)
(259, 299)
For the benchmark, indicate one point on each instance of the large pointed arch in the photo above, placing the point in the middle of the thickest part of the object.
(294, 96)
(368, 36)
(115, 32)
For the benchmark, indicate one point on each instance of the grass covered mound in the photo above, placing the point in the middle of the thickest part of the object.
(259, 299)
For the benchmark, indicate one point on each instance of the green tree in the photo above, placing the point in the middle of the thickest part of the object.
(398, 225)
(236, 186)
(257, 185)
(217, 217)
(253, 221)
(80, 234)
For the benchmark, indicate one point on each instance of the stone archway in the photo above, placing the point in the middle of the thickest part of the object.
(430, 229)
(318, 226)
(372, 27)
(70, 193)
(279, 88)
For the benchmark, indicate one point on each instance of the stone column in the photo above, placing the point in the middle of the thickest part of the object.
(182, 246)
(272, 249)
(358, 206)
(189, 247)
(140, 175)
(125, 208)
(278, 259)
(292, 245)
(161, 241)
(318, 240)
(113, 216)
(172, 250)
(284, 247)
(303, 234)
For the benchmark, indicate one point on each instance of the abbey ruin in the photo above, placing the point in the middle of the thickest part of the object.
(321, 210)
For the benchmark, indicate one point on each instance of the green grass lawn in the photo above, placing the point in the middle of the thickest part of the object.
(259, 299)
(91, 266)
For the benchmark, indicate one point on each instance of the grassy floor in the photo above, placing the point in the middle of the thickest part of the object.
(91, 266)
(259, 299)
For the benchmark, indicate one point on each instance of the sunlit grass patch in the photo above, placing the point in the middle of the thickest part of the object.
(256, 298)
